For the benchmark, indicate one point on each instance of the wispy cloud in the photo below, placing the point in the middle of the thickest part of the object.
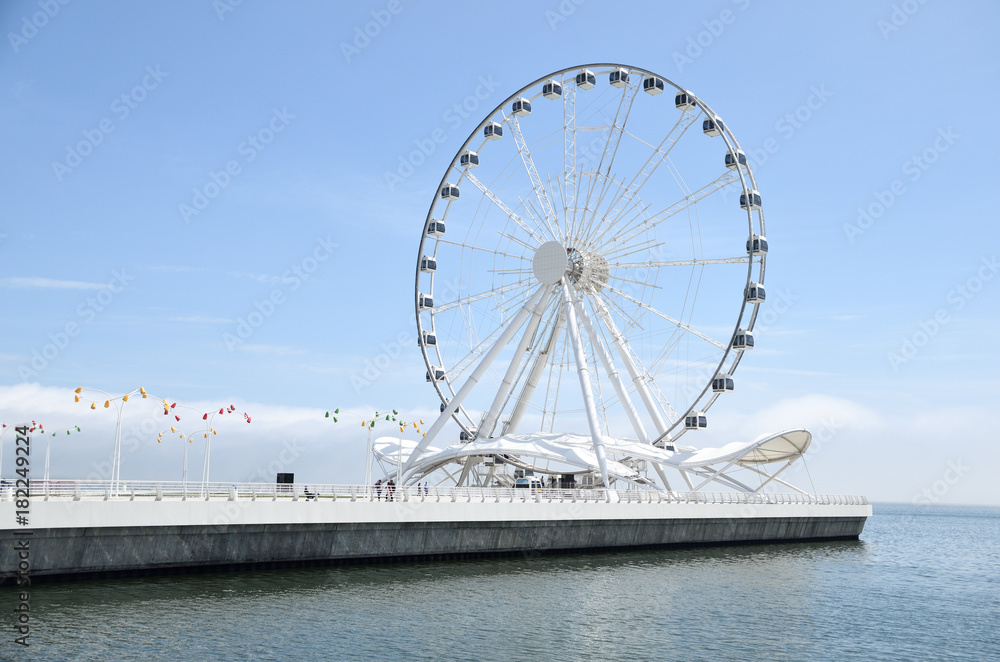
(28, 283)
(199, 319)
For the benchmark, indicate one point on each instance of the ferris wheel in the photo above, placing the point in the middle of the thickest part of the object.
(592, 261)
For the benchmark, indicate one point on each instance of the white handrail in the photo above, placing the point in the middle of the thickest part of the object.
(174, 490)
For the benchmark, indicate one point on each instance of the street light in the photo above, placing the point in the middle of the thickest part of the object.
(188, 440)
(369, 423)
(119, 404)
(208, 432)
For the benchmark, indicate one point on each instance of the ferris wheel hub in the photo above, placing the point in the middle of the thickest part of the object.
(550, 263)
(588, 271)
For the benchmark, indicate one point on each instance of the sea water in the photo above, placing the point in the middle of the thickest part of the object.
(922, 583)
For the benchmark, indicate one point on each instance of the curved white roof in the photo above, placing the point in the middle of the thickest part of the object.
(577, 451)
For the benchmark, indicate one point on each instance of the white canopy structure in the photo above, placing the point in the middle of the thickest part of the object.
(627, 461)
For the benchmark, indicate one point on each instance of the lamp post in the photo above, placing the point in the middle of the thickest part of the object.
(119, 405)
(369, 423)
(208, 432)
(187, 440)
(48, 445)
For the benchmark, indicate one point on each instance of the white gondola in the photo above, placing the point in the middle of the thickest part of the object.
(469, 159)
(757, 245)
(425, 301)
(750, 200)
(427, 339)
(493, 131)
(712, 127)
(684, 101)
(435, 374)
(521, 107)
(743, 340)
(467, 436)
(652, 85)
(696, 420)
(441, 409)
(618, 77)
(734, 159)
(585, 79)
(551, 89)
(450, 192)
(755, 293)
(428, 264)
(435, 228)
(723, 384)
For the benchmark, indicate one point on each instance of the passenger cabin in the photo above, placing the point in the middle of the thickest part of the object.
(684, 101)
(743, 340)
(427, 339)
(755, 293)
(493, 131)
(465, 436)
(585, 80)
(441, 409)
(735, 159)
(712, 127)
(652, 85)
(428, 264)
(757, 245)
(435, 374)
(696, 420)
(723, 384)
(551, 89)
(469, 159)
(521, 107)
(435, 228)
(450, 192)
(750, 200)
(618, 77)
(425, 301)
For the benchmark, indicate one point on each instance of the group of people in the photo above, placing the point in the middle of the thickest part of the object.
(390, 489)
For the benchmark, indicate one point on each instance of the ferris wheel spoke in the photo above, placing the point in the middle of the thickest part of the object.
(529, 166)
(668, 318)
(472, 298)
(518, 241)
(616, 130)
(679, 263)
(504, 208)
(629, 193)
(630, 231)
(492, 251)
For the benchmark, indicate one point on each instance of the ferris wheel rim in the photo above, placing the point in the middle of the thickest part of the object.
(745, 177)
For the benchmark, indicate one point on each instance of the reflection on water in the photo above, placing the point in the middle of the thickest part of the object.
(870, 599)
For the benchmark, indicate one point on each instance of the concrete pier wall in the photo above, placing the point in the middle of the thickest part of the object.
(68, 537)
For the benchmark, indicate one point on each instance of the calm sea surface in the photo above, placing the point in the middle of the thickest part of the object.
(923, 583)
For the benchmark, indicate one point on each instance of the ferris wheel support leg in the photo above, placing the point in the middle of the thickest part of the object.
(616, 381)
(647, 398)
(580, 356)
(541, 360)
(480, 370)
(515, 363)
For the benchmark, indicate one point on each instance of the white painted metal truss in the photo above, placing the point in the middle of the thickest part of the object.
(588, 262)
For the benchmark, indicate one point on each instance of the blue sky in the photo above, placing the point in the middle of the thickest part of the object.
(880, 329)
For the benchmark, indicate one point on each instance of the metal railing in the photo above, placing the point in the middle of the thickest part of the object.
(175, 490)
